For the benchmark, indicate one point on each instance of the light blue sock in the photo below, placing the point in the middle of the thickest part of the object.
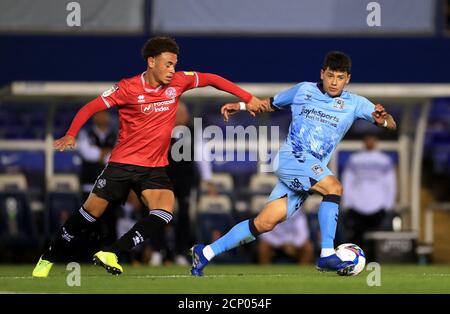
(238, 235)
(328, 217)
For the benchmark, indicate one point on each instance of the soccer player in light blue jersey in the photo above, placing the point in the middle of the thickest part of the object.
(321, 115)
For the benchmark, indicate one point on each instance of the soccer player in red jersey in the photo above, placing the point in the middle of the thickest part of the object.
(147, 105)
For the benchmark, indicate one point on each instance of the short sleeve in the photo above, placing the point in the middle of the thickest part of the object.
(188, 79)
(116, 95)
(364, 109)
(286, 97)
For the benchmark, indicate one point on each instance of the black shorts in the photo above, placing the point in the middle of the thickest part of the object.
(116, 181)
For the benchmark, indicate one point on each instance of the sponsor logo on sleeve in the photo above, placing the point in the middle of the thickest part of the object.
(108, 92)
(317, 169)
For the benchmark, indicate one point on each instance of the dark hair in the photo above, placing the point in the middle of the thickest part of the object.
(157, 45)
(337, 61)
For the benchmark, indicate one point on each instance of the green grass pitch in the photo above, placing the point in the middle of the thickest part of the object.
(227, 279)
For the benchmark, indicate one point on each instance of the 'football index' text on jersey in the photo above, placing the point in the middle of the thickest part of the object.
(157, 106)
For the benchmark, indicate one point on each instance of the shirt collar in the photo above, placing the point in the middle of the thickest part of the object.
(144, 85)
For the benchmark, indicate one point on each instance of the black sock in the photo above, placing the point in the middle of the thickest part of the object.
(151, 226)
(79, 221)
(252, 227)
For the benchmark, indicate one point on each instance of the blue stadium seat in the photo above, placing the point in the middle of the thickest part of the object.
(22, 160)
(67, 162)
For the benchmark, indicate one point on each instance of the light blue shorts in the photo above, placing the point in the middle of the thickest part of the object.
(296, 175)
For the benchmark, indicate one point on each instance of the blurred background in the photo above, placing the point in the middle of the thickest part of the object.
(56, 55)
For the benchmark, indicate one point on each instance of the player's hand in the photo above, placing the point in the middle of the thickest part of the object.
(64, 143)
(255, 105)
(379, 115)
(229, 109)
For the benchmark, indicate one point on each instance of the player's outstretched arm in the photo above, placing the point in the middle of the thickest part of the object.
(68, 141)
(382, 118)
(254, 106)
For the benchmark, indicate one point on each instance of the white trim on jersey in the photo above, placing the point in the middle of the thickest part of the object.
(196, 79)
(148, 90)
(106, 102)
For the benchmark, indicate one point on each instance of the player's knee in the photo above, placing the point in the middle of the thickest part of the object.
(95, 205)
(265, 225)
(335, 188)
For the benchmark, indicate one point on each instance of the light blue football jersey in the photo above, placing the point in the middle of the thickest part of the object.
(319, 121)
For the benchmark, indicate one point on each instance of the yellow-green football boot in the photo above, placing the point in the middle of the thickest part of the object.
(108, 261)
(42, 268)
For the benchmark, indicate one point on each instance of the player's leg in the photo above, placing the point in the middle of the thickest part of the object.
(154, 188)
(244, 232)
(307, 173)
(331, 189)
(111, 186)
(282, 203)
(160, 204)
(80, 220)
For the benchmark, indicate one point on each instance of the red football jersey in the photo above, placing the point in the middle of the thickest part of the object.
(147, 117)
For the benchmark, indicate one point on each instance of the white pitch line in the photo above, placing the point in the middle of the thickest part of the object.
(436, 275)
(166, 276)
(206, 276)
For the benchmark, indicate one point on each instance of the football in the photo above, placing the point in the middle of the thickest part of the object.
(352, 252)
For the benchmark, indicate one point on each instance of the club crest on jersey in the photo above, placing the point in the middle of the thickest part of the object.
(317, 169)
(101, 183)
(141, 98)
(108, 92)
(171, 92)
(147, 108)
(338, 103)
